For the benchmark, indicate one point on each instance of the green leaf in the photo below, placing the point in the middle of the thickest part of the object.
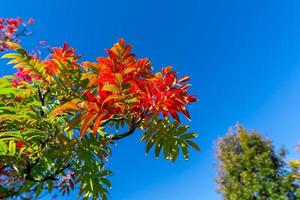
(39, 188)
(149, 145)
(9, 108)
(22, 51)
(189, 136)
(175, 152)
(158, 147)
(193, 144)
(167, 149)
(132, 100)
(148, 134)
(184, 150)
(3, 147)
(49, 185)
(170, 136)
(14, 134)
(27, 186)
(74, 122)
(5, 91)
(126, 86)
(106, 182)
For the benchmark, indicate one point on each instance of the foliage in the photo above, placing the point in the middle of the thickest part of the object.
(249, 168)
(11, 29)
(295, 170)
(56, 114)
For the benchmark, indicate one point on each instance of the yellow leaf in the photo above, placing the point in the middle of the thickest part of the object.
(112, 97)
(132, 100)
(119, 78)
(13, 45)
(12, 147)
(110, 88)
(11, 55)
(129, 69)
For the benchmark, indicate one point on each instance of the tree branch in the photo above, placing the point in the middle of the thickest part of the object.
(41, 99)
(120, 136)
(135, 123)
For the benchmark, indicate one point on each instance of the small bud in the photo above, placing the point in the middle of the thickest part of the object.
(21, 128)
(43, 42)
(30, 21)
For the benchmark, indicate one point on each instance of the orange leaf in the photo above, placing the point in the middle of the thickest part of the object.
(166, 69)
(87, 123)
(184, 79)
(97, 123)
(67, 107)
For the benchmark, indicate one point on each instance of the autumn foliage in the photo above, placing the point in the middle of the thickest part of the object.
(11, 29)
(124, 86)
(56, 113)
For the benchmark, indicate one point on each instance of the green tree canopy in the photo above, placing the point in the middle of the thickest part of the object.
(249, 168)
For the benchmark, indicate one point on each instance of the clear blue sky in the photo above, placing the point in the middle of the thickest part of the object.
(244, 58)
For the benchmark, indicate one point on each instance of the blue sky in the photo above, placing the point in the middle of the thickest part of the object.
(244, 58)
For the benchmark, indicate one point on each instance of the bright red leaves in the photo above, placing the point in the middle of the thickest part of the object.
(121, 86)
(64, 54)
(128, 88)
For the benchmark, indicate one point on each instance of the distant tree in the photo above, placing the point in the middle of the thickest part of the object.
(250, 169)
(295, 172)
(60, 115)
